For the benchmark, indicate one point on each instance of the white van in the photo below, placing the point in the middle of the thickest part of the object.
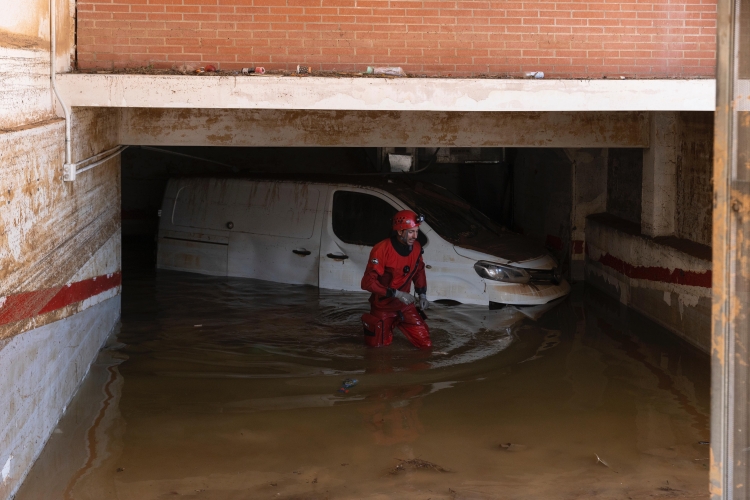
(319, 231)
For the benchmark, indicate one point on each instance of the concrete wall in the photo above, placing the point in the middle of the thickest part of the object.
(651, 249)
(41, 371)
(275, 127)
(59, 260)
(542, 199)
(591, 38)
(555, 190)
(25, 59)
(624, 183)
(694, 188)
(590, 196)
(665, 278)
(588, 206)
(59, 242)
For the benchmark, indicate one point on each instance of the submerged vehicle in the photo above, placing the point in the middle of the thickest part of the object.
(319, 231)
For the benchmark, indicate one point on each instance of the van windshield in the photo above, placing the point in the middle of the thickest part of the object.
(449, 215)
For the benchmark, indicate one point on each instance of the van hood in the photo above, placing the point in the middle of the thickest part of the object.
(510, 248)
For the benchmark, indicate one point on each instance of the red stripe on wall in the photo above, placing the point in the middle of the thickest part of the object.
(81, 290)
(651, 273)
(556, 243)
(29, 304)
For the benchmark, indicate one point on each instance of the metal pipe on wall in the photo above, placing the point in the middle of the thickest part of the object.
(53, 82)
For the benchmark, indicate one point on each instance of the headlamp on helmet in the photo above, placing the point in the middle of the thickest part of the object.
(406, 219)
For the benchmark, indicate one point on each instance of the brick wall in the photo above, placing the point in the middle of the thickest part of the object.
(643, 38)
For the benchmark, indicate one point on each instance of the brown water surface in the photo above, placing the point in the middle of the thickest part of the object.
(219, 388)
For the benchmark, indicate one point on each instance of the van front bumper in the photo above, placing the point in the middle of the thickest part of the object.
(525, 294)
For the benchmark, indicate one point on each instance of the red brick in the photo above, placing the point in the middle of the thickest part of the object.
(466, 37)
(148, 8)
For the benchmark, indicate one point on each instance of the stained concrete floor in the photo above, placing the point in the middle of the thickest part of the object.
(223, 388)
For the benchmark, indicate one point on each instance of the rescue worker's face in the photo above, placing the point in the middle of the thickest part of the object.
(408, 236)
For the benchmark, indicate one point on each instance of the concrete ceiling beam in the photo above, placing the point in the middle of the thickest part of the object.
(384, 94)
(248, 128)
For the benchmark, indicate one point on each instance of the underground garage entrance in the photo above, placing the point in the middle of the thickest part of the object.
(221, 386)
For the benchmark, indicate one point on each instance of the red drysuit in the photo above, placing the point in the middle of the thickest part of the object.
(394, 266)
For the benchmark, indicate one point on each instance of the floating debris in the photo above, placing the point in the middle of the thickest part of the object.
(512, 446)
(600, 461)
(348, 384)
(388, 71)
(415, 464)
(666, 488)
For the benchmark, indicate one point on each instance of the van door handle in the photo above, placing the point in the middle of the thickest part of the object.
(302, 252)
(334, 256)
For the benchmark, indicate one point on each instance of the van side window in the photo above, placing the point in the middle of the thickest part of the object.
(361, 219)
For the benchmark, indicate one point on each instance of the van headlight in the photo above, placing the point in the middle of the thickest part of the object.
(500, 272)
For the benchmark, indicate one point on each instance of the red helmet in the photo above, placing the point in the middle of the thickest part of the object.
(406, 219)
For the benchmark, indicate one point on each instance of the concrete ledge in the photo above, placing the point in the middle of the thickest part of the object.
(381, 94)
(669, 286)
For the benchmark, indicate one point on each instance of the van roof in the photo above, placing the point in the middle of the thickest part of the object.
(393, 183)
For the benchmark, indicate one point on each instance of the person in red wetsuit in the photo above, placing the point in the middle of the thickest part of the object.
(396, 263)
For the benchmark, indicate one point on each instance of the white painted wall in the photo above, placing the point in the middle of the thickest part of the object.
(42, 369)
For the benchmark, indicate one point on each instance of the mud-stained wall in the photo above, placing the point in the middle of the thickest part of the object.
(664, 275)
(25, 59)
(24, 85)
(26, 24)
(50, 229)
(665, 278)
(237, 127)
(59, 275)
(693, 210)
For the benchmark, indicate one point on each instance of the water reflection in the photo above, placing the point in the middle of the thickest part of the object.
(228, 388)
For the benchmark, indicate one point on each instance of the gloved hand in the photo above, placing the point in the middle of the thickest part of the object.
(424, 304)
(404, 297)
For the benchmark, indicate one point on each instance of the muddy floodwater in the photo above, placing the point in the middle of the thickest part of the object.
(217, 388)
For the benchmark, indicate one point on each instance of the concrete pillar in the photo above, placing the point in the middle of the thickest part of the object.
(659, 190)
(589, 197)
